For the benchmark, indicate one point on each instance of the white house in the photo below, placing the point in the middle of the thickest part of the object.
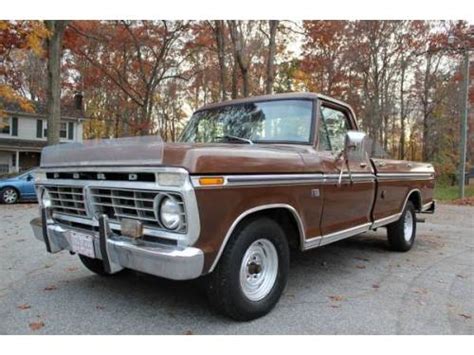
(23, 134)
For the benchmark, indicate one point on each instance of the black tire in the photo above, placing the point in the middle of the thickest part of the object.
(95, 265)
(9, 195)
(396, 231)
(224, 289)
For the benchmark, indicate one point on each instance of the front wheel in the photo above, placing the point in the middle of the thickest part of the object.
(401, 234)
(252, 272)
(94, 265)
(9, 195)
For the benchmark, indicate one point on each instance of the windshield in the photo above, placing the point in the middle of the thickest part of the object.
(282, 121)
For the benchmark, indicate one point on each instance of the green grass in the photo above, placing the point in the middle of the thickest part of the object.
(449, 193)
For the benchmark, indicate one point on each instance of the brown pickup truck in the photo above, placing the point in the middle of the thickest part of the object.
(249, 180)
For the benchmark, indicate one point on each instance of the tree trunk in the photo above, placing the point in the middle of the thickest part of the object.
(402, 111)
(235, 78)
(220, 41)
(54, 43)
(271, 56)
(239, 56)
(426, 131)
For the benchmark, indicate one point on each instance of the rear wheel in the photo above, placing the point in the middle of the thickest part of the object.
(252, 272)
(9, 195)
(401, 234)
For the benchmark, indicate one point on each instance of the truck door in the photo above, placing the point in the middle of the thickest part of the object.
(346, 205)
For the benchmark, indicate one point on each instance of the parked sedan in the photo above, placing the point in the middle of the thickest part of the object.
(18, 188)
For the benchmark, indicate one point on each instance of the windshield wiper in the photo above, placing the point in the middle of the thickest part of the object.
(229, 137)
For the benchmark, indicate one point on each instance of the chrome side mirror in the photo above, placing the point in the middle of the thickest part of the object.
(353, 146)
(354, 142)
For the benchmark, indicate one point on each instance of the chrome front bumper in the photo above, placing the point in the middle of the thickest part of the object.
(118, 252)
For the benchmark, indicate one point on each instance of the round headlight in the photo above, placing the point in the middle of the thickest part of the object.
(45, 198)
(170, 213)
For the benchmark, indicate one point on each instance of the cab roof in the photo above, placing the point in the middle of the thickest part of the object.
(275, 97)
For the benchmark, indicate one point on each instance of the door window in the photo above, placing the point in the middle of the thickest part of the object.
(332, 129)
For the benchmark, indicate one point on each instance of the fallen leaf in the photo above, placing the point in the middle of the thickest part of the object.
(375, 286)
(461, 276)
(421, 291)
(99, 307)
(361, 258)
(466, 316)
(71, 269)
(24, 306)
(188, 332)
(36, 325)
(360, 266)
(50, 288)
(335, 306)
(336, 298)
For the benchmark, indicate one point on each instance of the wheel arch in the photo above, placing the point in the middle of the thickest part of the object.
(294, 230)
(414, 196)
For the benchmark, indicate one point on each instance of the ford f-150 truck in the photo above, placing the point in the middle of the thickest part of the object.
(248, 180)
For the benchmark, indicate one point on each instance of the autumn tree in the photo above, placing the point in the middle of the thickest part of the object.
(137, 56)
(19, 40)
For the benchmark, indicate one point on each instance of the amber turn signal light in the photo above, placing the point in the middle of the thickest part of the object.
(211, 181)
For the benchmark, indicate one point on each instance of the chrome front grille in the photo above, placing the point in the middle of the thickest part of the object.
(68, 200)
(134, 204)
(116, 203)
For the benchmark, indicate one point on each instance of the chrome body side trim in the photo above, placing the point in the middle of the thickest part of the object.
(283, 179)
(405, 176)
(386, 220)
(408, 196)
(346, 233)
(336, 236)
(273, 179)
(355, 177)
(311, 243)
(249, 212)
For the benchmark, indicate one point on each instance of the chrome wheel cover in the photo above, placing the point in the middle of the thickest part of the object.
(259, 269)
(10, 196)
(408, 226)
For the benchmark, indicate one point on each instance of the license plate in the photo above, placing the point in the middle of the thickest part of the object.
(82, 244)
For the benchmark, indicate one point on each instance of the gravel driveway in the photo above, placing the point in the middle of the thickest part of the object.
(356, 286)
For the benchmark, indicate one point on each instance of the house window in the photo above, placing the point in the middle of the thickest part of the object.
(5, 125)
(63, 130)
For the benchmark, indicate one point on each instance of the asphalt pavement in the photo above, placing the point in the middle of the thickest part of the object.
(356, 286)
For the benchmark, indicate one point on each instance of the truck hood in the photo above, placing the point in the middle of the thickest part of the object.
(234, 158)
(196, 158)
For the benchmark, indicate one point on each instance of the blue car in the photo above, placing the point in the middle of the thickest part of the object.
(18, 188)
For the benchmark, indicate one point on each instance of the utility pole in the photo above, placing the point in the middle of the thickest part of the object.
(465, 103)
(463, 146)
